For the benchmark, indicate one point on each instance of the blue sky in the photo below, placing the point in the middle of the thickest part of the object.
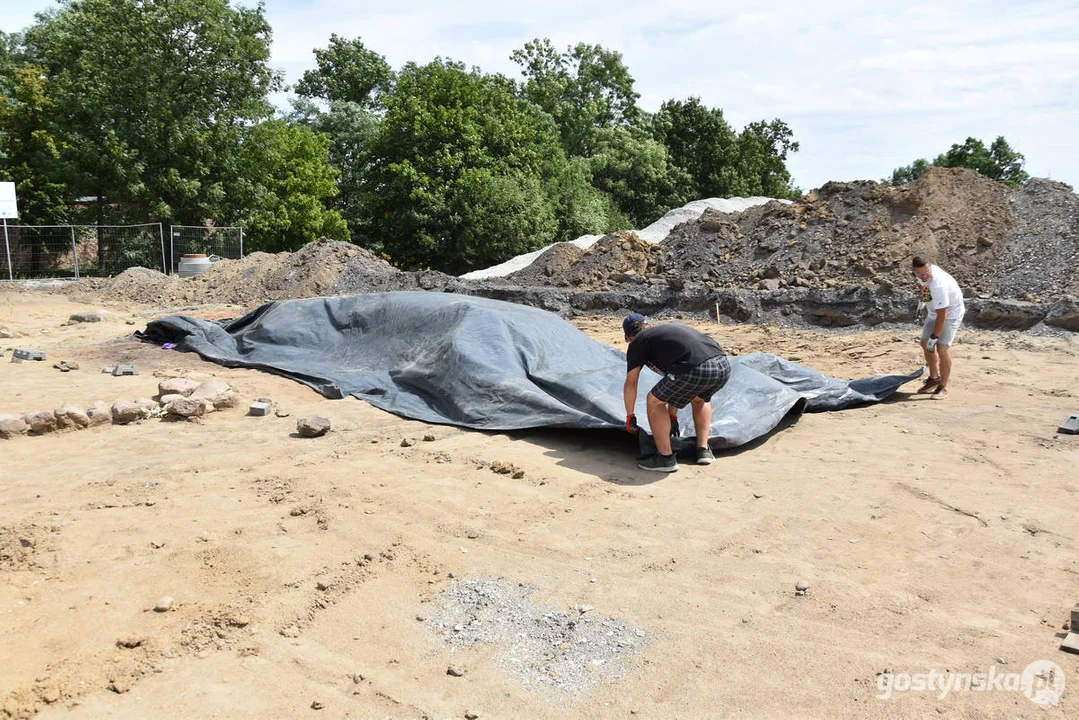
(866, 86)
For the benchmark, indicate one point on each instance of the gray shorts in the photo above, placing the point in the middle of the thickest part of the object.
(947, 335)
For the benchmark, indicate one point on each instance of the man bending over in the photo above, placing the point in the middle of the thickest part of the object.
(693, 367)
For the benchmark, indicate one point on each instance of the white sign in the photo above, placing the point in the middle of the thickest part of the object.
(8, 207)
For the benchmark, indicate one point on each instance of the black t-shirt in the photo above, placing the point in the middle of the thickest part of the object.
(670, 348)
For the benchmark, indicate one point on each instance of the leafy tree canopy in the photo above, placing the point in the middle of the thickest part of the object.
(154, 96)
(998, 162)
(282, 182)
(585, 89)
(347, 72)
(456, 172)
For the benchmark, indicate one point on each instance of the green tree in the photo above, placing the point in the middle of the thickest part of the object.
(998, 162)
(585, 89)
(350, 129)
(634, 169)
(31, 153)
(455, 177)
(763, 148)
(700, 141)
(909, 173)
(155, 98)
(280, 189)
(347, 72)
(581, 208)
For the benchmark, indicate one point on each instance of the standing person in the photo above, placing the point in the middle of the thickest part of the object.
(693, 366)
(944, 300)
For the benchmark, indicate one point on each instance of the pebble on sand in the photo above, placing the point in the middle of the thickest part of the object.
(164, 604)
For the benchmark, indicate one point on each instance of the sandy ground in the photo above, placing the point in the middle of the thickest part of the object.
(933, 535)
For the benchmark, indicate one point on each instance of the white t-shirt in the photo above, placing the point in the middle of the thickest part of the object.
(942, 293)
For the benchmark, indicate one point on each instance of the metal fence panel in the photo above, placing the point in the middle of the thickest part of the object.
(79, 250)
(225, 242)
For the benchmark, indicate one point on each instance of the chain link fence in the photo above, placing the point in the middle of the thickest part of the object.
(74, 251)
(224, 242)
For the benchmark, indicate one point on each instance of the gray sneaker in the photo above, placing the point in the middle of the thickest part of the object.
(658, 463)
(705, 456)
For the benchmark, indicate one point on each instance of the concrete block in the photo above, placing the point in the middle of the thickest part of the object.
(259, 409)
(125, 370)
(26, 354)
(1070, 426)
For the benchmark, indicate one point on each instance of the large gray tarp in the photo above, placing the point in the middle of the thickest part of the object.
(491, 365)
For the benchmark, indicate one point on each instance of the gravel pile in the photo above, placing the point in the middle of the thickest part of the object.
(1041, 253)
(566, 653)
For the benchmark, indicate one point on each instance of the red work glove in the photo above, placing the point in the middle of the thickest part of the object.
(631, 424)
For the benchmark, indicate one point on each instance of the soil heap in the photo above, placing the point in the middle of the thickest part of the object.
(839, 255)
(996, 241)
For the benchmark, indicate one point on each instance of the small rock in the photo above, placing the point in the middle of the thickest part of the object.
(758, 495)
(42, 421)
(177, 386)
(164, 604)
(429, 437)
(458, 627)
(454, 671)
(5, 333)
(88, 316)
(407, 442)
(316, 705)
(584, 608)
(157, 544)
(130, 642)
(10, 426)
(217, 391)
(98, 412)
(71, 416)
(745, 620)
(26, 542)
(125, 411)
(470, 715)
(801, 586)
(312, 427)
(421, 618)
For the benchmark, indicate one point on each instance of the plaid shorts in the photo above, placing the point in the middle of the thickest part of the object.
(702, 381)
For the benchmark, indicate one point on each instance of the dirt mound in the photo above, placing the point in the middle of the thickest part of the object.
(555, 262)
(323, 267)
(999, 242)
(616, 258)
(863, 233)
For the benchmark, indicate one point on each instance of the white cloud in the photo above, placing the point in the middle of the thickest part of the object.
(866, 86)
